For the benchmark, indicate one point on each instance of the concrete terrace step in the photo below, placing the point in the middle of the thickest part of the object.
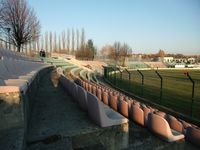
(55, 114)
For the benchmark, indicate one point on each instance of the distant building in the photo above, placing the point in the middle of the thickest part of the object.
(191, 60)
(180, 60)
(166, 59)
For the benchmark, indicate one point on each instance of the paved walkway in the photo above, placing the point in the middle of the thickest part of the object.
(55, 117)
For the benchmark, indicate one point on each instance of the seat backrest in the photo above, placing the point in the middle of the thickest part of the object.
(138, 115)
(124, 109)
(2, 82)
(94, 90)
(64, 81)
(193, 135)
(175, 124)
(113, 102)
(160, 113)
(146, 113)
(159, 125)
(74, 91)
(99, 94)
(82, 97)
(105, 98)
(94, 109)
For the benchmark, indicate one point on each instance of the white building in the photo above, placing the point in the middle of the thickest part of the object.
(166, 59)
(191, 60)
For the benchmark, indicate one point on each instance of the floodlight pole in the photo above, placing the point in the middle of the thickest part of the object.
(161, 85)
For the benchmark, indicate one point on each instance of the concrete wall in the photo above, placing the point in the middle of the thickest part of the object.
(15, 108)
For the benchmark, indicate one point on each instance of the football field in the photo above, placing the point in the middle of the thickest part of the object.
(176, 91)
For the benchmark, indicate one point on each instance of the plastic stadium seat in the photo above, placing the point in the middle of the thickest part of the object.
(121, 97)
(160, 127)
(129, 105)
(146, 111)
(90, 88)
(64, 81)
(175, 124)
(124, 110)
(114, 102)
(74, 91)
(82, 98)
(136, 103)
(94, 90)
(101, 114)
(86, 86)
(185, 124)
(105, 98)
(160, 113)
(83, 84)
(193, 135)
(137, 115)
(99, 94)
(142, 105)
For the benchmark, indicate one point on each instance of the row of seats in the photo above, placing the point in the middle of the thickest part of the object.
(100, 113)
(156, 64)
(14, 55)
(165, 125)
(17, 74)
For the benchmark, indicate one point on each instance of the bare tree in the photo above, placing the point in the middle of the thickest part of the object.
(161, 53)
(77, 39)
(68, 41)
(46, 41)
(82, 38)
(63, 40)
(18, 22)
(116, 51)
(55, 42)
(125, 52)
(38, 44)
(72, 41)
(107, 51)
(50, 42)
(59, 43)
(42, 42)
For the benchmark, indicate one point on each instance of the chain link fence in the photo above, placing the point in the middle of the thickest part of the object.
(176, 89)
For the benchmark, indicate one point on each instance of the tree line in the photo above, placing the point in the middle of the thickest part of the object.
(118, 52)
(20, 27)
(65, 42)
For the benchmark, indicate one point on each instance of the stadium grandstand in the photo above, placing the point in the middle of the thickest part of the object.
(60, 103)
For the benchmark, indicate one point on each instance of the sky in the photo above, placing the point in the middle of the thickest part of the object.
(146, 25)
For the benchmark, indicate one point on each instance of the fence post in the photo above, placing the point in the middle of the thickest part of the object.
(129, 77)
(114, 75)
(161, 85)
(120, 73)
(193, 84)
(142, 79)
